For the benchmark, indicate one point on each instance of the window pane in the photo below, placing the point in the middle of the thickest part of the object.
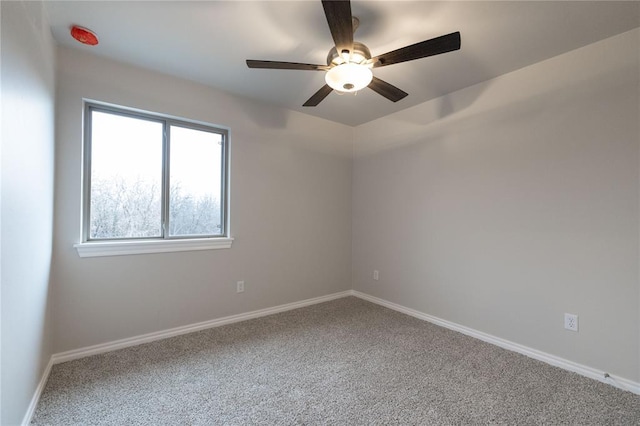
(126, 177)
(195, 182)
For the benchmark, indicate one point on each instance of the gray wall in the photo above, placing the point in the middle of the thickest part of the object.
(504, 205)
(290, 212)
(28, 79)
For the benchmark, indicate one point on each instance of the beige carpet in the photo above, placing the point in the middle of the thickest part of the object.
(343, 362)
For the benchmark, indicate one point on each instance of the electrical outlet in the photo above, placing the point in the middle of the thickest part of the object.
(376, 275)
(571, 322)
(239, 286)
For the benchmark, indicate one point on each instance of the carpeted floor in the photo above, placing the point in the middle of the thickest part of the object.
(343, 362)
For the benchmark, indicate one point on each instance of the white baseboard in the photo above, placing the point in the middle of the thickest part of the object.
(159, 335)
(36, 396)
(592, 373)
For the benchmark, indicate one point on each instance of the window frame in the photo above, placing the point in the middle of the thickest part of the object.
(89, 247)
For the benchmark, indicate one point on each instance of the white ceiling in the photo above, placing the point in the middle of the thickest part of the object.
(208, 42)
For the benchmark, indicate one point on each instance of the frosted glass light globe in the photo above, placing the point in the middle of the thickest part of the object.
(348, 77)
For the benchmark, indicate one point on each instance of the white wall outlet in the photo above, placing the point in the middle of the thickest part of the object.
(239, 286)
(376, 275)
(571, 322)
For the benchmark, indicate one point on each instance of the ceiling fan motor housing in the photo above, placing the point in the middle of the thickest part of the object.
(359, 54)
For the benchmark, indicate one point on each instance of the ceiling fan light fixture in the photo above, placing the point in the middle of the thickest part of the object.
(349, 62)
(349, 77)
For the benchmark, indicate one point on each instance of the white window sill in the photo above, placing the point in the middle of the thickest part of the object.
(121, 248)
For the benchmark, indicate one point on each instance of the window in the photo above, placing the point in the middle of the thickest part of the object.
(154, 182)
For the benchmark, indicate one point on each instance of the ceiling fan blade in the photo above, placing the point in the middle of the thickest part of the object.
(338, 13)
(318, 96)
(434, 46)
(252, 63)
(387, 90)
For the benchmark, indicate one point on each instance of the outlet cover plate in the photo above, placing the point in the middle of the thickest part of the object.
(571, 322)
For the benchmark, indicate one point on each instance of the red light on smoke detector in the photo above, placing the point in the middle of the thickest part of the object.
(84, 35)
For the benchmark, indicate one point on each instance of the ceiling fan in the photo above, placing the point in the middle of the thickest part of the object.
(349, 63)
